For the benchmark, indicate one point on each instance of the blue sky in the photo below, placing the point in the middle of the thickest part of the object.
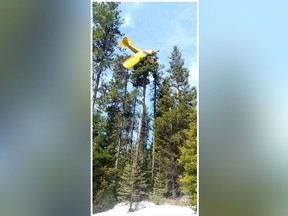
(160, 26)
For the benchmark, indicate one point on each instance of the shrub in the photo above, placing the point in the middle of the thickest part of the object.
(105, 201)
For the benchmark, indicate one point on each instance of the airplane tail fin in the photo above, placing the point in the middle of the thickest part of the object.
(125, 42)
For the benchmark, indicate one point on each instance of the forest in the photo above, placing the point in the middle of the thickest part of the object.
(144, 121)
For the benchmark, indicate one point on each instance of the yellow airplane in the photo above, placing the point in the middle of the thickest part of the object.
(133, 60)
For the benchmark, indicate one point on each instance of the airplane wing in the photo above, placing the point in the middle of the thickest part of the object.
(131, 61)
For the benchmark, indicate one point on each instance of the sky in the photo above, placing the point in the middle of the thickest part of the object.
(160, 26)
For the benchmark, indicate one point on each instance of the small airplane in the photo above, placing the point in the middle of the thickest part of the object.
(133, 60)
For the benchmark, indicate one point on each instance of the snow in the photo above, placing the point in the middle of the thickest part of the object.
(149, 209)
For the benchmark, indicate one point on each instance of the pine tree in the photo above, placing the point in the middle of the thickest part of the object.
(134, 181)
(164, 98)
(133, 102)
(172, 119)
(111, 134)
(126, 183)
(106, 23)
(132, 185)
(102, 179)
(188, 159)
(120, 82)
(140, 78)
(144, 136)
(157, 196)
(160, 131)
(157, 77)
(179, 75)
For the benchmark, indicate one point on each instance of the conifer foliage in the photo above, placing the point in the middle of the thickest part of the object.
(106, 23)
(188, 159)
(175, 99)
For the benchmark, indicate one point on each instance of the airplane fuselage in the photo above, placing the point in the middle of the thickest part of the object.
(133, 60)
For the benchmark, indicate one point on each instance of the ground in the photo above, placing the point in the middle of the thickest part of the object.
(149, 209)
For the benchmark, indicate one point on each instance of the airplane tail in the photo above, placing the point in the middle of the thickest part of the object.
(125, 42)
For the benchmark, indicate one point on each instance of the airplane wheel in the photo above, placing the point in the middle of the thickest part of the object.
(151, 60)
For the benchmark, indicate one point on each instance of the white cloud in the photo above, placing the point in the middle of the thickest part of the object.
(128, 20)
(136, 5)
(184, 36)
(184, 26)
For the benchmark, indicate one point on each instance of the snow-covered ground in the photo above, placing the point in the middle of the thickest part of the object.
(149, 209)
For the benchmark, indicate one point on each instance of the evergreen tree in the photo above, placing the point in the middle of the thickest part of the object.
(157, 77)
(111, 133)
(172, 119)
(157, 196)
(188, 159)
(164, 98)
(120, 82)
(133, 102)
(179, 75)
(140, 78)
(102, 185)
(134, 181)
(144, 136)
(132, 185)
(106, 23)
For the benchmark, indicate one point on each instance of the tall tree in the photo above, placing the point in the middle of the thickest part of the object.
(188, 159)
(175, 100)
(102, 167)
(133, 181)
(164, 98)
(106, 23)
(132, 185)
(112, 122)
(140, 78)
(160, 131)
(157, 76)
(134, 101)
(135, 177)
(120, 77)
(179, 74)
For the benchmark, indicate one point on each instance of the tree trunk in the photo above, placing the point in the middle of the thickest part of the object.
(140, 127)
(153, 139)
(122, 124)
(166, 182)
(131, 201)
(118, 149)
(132, 127)
(173, 188)
(153, 161)
(141, 118)
(97, 81)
